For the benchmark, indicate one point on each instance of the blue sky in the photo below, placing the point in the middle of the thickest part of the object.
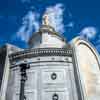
(20, 18)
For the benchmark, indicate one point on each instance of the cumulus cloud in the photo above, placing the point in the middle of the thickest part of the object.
(89, 32)
(55, 17)
(30, 22)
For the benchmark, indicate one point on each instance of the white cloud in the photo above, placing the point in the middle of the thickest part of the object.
(89, 32)
(30, 22)
(55, 17)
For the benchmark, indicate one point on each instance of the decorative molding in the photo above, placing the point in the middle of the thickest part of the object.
(29, 53)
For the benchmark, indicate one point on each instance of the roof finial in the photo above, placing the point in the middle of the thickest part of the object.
(45, 20)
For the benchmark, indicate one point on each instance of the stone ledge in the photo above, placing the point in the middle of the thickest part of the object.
(29, 53)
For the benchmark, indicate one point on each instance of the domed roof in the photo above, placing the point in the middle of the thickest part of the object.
(48, 33)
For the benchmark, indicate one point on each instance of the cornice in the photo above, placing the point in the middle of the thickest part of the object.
(29, 53)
